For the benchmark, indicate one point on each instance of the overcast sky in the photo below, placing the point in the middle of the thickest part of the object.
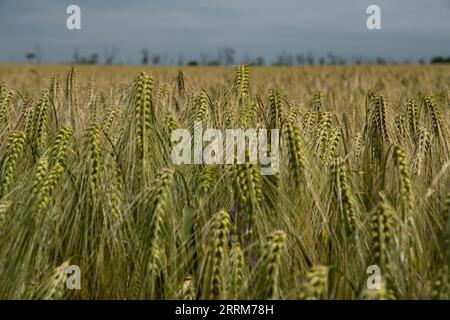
(410, 28)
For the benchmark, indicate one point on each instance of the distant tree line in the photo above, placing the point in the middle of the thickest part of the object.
(227, 56)
(440, 59)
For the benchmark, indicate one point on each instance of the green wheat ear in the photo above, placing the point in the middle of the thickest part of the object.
(237, 271)
(405, 179)
(60, 145)
(206, 178)
(54, 287)
(342, 194)
(117, 193)
(47, 186)
(315, 286)
(93, 160)
(269, 273)
(218, 255)
(318, 101)
(381, 234)
(242, 81)
(378, 127)
(187, 290)
(39, 120)
(377, 294)
(4, 207)
(412, 111)
(144, 111)
(5, 102)
(323, 133)
(440, 289)
(422, 152)
(201, 108)
(152, 226)
(15, 146)
(39, 176)
(434, 113)
(296, 152)
(276, 109)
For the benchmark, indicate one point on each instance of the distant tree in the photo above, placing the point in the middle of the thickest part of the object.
(110, 56)
(380, 60)
(145, 57)
(300, 59)
(332, 58)
(30, 56)
(310, 59)
(284, 59)
(93, 59)
(156, 59)
(226, 56)
(437, 59)
(288, 60)
(258, 61)
(229, 56)
(192, 63)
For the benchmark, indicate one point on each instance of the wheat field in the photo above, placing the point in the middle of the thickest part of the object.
(86, 179)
